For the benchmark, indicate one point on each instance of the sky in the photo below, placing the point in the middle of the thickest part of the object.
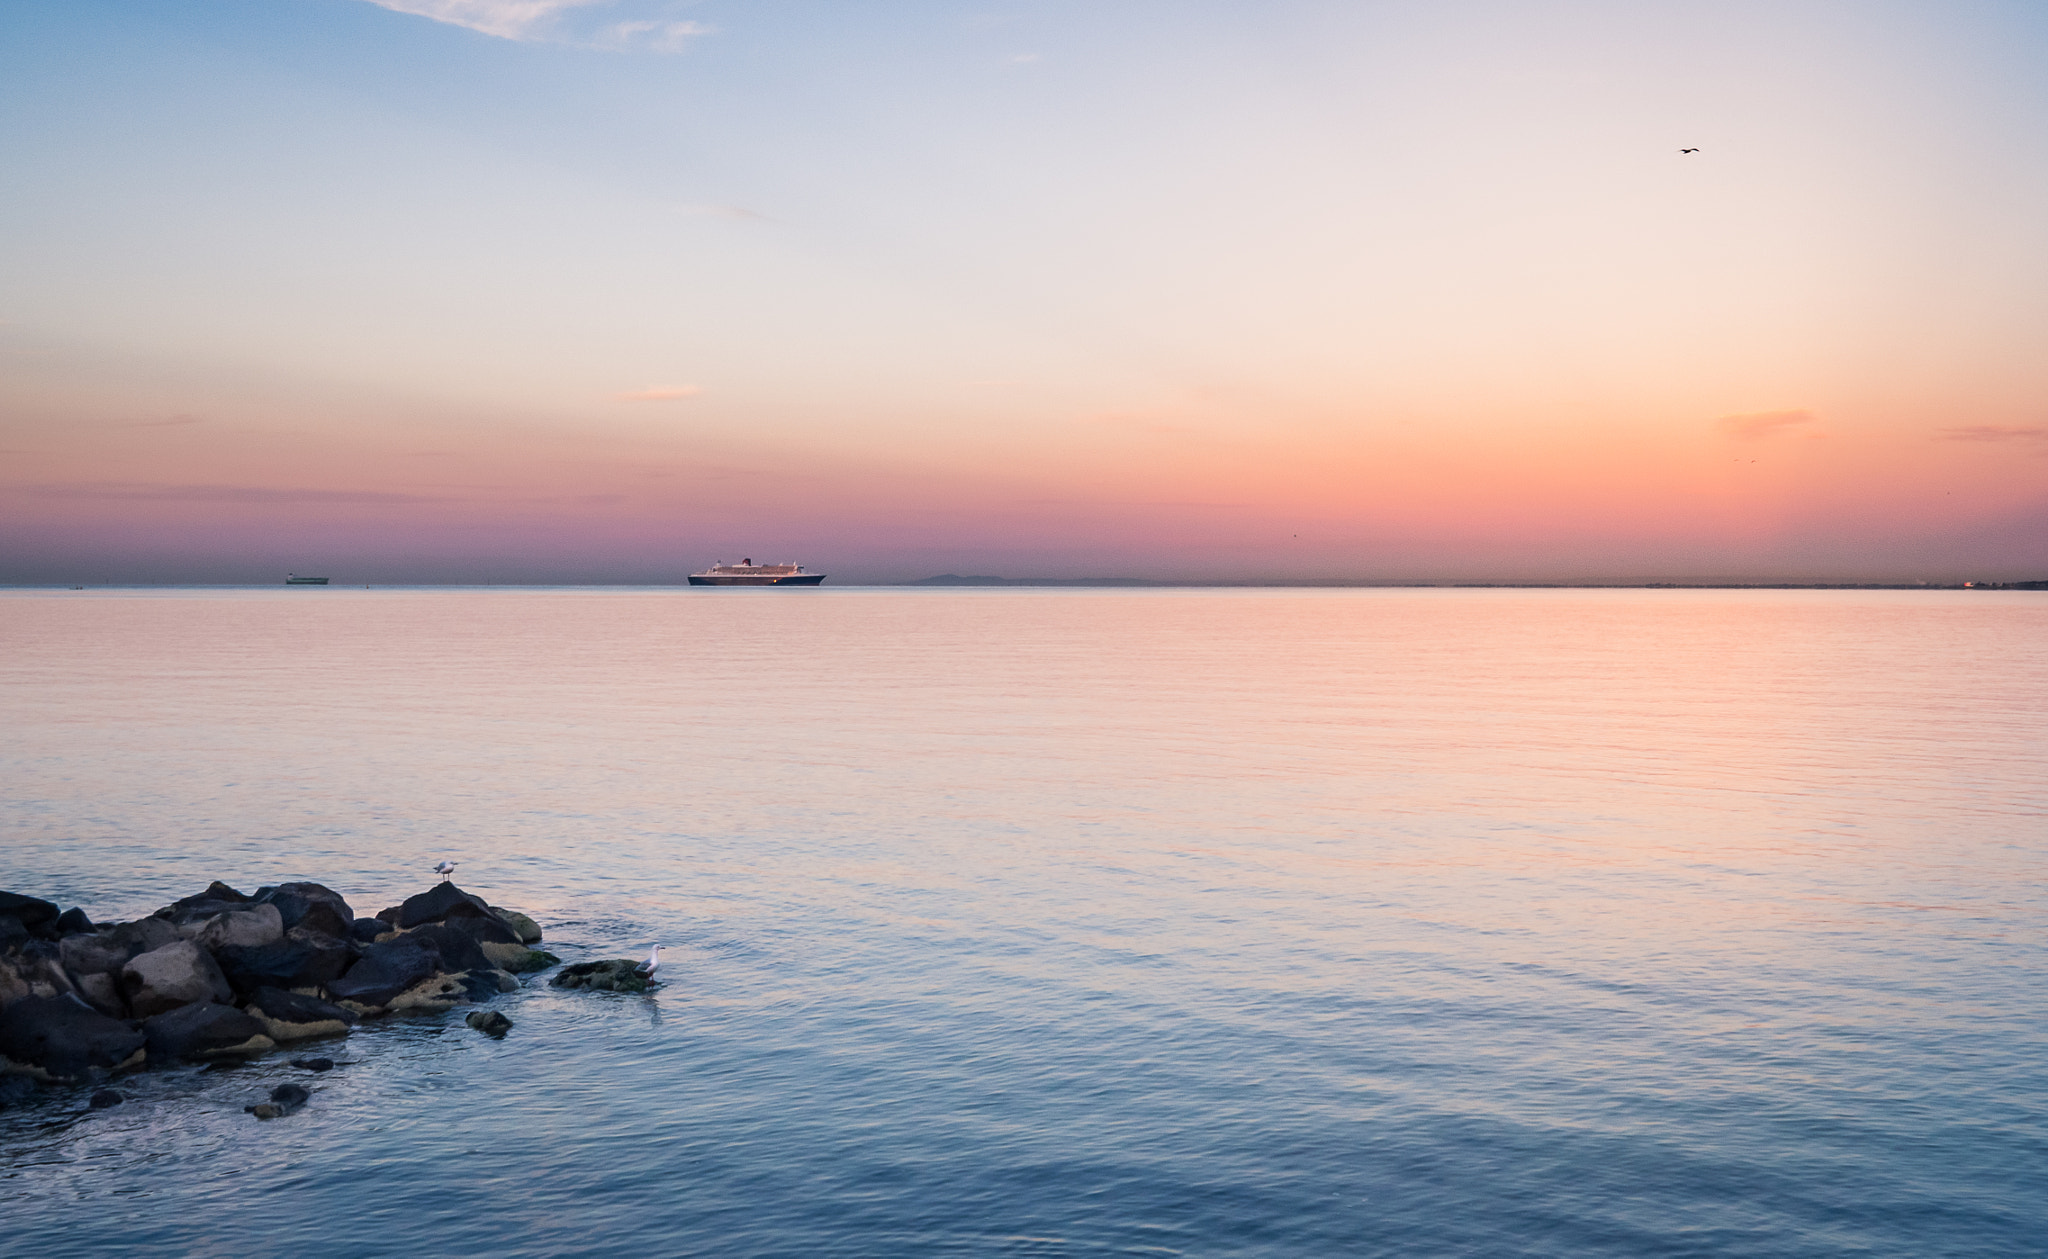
(609, 290)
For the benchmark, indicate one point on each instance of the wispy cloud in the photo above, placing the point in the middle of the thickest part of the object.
(1993, 433)
(152, 491)
(541, 21)
(672, 393)
(1762, 424)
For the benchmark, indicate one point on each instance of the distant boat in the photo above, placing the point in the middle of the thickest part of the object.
(293, 579)
(748, 573)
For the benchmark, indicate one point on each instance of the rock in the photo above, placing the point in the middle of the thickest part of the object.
(205, 1029)
(11, 931)
(106, 1098)
(489, 1022)
(249, 927)
(174, 975)
(13, 984)
(103, 993)
(314, 1064)
(62, 1040)
(29, 911)
(144, 935)
(437, 904)
(441, 992)
(216, 893)
(486, 929)
(328, 958)
(384, 971)
(266, 1110)
(457, 951)
(612, 975)
(34, 970)
(290, 1096)
(313, 906)
(72, 921)
(303, 959)
(97, 953)
(527, 929)
(518, 959)
(366, 930)
(290, 1016)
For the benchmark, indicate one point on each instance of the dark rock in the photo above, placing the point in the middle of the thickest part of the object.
(144, 935)
(103, 993)
(96, 953)
(64, 1040)
(366, 930)
(11, 931)
(216, 893)
(29, 911)
(314, 1064)
(328, 958)
(105, 1098)
(486, 929)
(482, 985)
(261, 966)
(438, 904)
(612, 975)
(266, 1110)
(297, 1007)
(312, 906)
(290, 1096)
(489, 1022)
(528, 929)
(204, 1029)
(245, 927)
(457, 950)
(384, 971)
(72, 921)
(174, 975)
(15, 1090)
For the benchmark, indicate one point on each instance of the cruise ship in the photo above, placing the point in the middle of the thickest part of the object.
(748, 573)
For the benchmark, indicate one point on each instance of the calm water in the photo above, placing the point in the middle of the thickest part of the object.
(1048, 923)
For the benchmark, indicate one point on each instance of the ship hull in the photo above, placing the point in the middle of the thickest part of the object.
(799, 579)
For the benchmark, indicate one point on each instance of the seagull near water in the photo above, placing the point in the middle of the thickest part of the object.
(445, 869)
(652, 964)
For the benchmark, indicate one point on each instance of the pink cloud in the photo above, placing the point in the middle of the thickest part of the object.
(1993, 433)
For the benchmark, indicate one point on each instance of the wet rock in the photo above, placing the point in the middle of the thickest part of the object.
(489, 1022)
(518, 959)
(457, 950)
(436, 994)
(611, 975)
(328, 958)
(438, 904)
(174, 975)
(384, 971)
(16, 1090)
(250, 927)
(265, 1110)
(314, 1064)
(312, 906)
(527, 929)
(366, 930)
(103, 993)
(284, 1099)
(106, 1098)
(486, 929)
(72, 921)
(62, 1040)
(263, 966)
(292, 1016)
(205, 1030)
(12, 932)
(30, 912)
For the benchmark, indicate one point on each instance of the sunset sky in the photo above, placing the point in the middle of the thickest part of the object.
(595, 290)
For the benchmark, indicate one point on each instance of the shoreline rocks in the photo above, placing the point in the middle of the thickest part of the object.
(225, 975)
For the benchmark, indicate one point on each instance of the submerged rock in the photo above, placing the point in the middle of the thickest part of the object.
(518, 959)
(174, 975)
(62, 1040)
(106, 1098)
(611, 975)
(314, 1064)
(489, 1022)
(204, 1030)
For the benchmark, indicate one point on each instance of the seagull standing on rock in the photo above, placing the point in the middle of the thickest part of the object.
(652, 964)
(445, 869)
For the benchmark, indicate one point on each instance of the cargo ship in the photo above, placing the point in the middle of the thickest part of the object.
(293, 579)
(748, 573)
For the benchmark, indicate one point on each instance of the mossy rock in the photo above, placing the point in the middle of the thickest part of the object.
(611, 975)
(528, 960)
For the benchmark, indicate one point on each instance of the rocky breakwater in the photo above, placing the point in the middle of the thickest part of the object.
(229, 975)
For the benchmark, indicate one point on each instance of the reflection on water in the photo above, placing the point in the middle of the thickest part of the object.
(1053, 922)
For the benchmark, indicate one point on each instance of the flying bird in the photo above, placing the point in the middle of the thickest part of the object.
(1688, 150)
(445, 869)
(652, 964)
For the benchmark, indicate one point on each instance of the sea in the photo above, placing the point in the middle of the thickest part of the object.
(1079, 922)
